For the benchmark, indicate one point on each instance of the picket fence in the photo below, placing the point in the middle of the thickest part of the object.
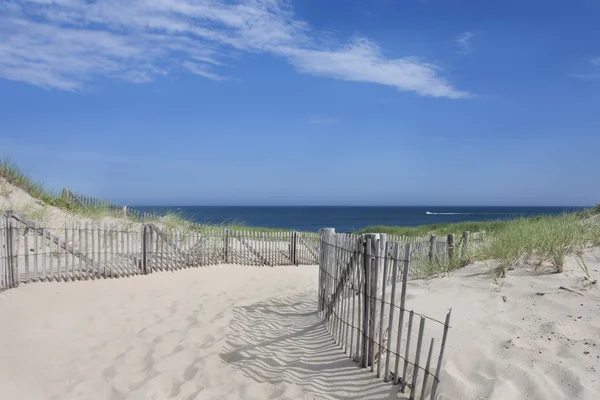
(360, 303)
(31, 252)
(359, 299)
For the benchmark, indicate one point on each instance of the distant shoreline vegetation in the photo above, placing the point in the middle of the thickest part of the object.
(173, 219)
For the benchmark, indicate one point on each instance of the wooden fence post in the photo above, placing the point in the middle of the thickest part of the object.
(14, 253)
(450, 246)
(432, 249)
(371, 265)
(325, 234)
(366, 308)
(8, 246)
(226, 245)
(465, 242)
(375, 274)
(294, 248)
(441, 356)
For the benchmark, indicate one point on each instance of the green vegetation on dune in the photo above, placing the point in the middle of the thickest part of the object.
(14, 175)
(438, 229)
(472, 226)
(539, 241)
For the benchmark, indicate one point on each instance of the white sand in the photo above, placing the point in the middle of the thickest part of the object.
(16, 199)
(530, 346)
(236, 332)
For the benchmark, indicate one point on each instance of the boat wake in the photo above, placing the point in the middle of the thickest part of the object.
(434, 213)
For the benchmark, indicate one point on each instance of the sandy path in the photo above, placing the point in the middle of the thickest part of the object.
(235, 332)
(207, 333)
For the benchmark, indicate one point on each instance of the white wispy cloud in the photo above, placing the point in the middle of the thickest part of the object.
(323, 121)
(464, 42)
(65, 43)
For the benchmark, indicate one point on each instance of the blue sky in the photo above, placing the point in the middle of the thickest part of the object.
(312, 102)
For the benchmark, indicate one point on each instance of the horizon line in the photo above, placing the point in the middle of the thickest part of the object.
(371, 206)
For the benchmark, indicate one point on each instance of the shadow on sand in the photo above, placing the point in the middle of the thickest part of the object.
(283, 340)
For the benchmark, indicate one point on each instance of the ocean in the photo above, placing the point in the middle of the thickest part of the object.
(346, 219)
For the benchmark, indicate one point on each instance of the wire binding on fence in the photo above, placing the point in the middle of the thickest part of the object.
(354, 278)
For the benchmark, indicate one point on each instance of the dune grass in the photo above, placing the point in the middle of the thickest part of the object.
(542, 241)
(438, 229)
(14, 175)
(178, 220)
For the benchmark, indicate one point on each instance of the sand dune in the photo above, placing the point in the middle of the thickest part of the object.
(233, 332)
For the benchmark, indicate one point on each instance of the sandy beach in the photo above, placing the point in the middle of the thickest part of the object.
(233, 332)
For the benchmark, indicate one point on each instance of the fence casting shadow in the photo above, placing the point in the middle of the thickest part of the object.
(283, 340)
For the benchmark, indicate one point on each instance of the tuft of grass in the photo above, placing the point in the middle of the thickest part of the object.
(96, 212)
(544, 240)
(438, 229)
(446, 265)
(582, 265)
(14, 175)
(36, 212)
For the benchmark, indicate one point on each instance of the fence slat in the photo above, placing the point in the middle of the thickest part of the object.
(107, 268)
(86, 242)
(81, 250)
(396, 257)
(73, 275)
(45, 275)
(407, 350)
(36, 253)
(360, 274)
(413, 388)
(374, 276)
(383, 290)
(406, 261)
(436, 379)
(26, 253)
(101, 271)
(58, 260)
(426, 376)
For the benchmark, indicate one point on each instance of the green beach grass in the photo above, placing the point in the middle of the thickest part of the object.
(16, 176)
(542, 240)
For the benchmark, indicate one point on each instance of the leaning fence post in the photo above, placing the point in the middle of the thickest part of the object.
(436, 379)
(324, 258)
(450, 245)
(432, 249)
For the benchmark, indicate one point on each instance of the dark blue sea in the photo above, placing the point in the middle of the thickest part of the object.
(345, 219)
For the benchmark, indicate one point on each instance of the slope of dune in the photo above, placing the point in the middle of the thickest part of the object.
(16, 199)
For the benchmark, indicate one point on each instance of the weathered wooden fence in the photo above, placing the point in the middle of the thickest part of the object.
(366, 312)
(80, 200)
(32, 252)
